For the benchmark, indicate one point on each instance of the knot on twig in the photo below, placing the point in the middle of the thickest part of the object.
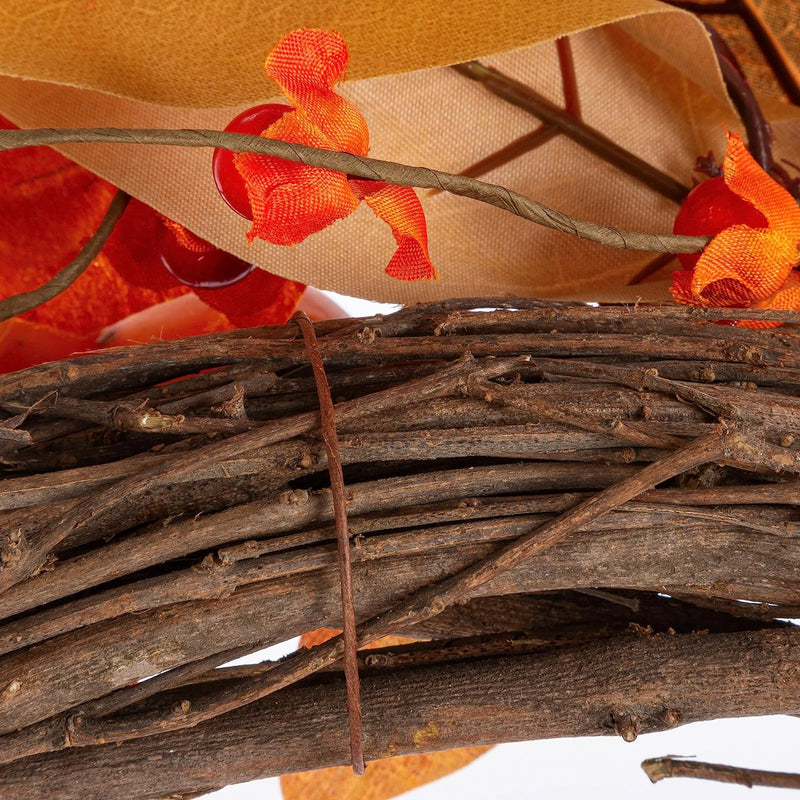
(294, 497)
(10, 689)
(234, 407)
(626, 724)
(368, 335)
(12, 549)
(672, 717)
(746, 353)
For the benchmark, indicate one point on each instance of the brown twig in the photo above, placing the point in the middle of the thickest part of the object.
(421, 606)
(544, 132)
(569, 80)
(759, 133)
(786, 73)
(672, 767)
(514, 149)
(598, 143)
(329, 436)
(62, 280)
(391, 172)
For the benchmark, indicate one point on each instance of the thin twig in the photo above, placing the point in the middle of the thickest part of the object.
(424, 604)
(328, 429)
(514, 149)
(569, 80)
(371, 169)
(544, 132)
(672, 767)
(62, 280)
(593, 140)
(759, 133)
(784, 70)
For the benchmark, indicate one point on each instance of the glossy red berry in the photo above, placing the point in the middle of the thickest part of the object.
(710, 208)
(209, 269)
(230, 183)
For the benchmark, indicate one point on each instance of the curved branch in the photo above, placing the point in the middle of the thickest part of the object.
(62, 280)
(672, 767)
(370, 169)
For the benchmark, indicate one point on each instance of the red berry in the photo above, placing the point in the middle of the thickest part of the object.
(211, 269)
(710, 208)
(230, 183)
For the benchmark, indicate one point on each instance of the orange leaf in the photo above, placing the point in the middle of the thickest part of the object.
(291, 201)
(383, 779)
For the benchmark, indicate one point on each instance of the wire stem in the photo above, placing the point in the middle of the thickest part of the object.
(371, 169)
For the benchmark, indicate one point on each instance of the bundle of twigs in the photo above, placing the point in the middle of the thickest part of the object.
(168, 508)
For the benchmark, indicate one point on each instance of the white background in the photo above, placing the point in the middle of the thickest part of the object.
(601, 767)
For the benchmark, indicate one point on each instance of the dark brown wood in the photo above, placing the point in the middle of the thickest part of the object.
(520, 484)
(583, 690)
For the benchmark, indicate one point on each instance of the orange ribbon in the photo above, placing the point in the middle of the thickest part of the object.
(291, 201)
(742, 266)
(49, 207)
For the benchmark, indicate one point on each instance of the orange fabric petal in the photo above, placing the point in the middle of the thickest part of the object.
(49, 208)
(744, 264)
(400, 208)
(787, 298)
(306, 64)
(291, 201)
(746, 178)
(261, 298)
(383, 779)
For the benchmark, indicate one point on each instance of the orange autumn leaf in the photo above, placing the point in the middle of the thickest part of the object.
(291, 201)
(383, 779)
(49, 208)
(745, 266)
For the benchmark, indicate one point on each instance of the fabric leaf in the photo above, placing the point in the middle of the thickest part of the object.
(383, 779)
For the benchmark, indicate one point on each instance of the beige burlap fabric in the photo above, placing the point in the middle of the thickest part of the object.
(646, 74)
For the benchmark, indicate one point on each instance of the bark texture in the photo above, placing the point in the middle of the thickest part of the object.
(569, 504)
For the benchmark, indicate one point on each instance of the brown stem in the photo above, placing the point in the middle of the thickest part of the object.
(62, 280)
(544, 133)
(670, 767)
(759, 133)
(329, 436)
(786, 73)
(514, 149)
(598, 143)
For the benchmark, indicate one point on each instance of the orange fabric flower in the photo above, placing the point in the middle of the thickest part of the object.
(291, 201)
(49, 207)
(743, 266)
